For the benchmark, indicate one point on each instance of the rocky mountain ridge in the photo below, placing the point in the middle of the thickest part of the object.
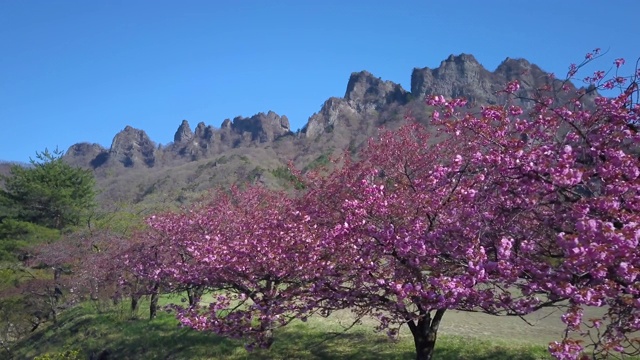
(341, 123)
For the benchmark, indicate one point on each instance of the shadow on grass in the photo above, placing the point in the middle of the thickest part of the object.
(94, 334)
(496, 354)
(458, 347)
(299, 341)
(106, 333)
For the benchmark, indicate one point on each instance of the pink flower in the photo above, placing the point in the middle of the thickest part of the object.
(512, 87)
(515, 110)
(436, 100)
(619, 62)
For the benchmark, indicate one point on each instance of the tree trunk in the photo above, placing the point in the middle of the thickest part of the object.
(153, 306)
(134, 305)
(55, 294)
(425, 332)
(269, 339)
(194, 293)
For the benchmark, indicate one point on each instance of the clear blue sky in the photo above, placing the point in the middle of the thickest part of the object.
(80, 71)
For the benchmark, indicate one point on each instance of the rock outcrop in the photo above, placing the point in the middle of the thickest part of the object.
(457, 76)
(261, 127)
(204, 134)
(463, 76)
(365, 95)
(193, 145)
(332, 111)
(365, 89)
(83, 154)
(207, 141)
(183, 133)
(132, 147)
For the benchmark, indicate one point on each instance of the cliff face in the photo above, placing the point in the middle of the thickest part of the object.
(183, 133)
(206, 140)
(83, 154)
(463, 76)
(329, 117)
(365, 95)
(457, 76)
(364, 89)
(132, 148)
(261, 127)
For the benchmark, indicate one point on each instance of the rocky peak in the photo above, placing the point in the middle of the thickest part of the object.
(463, 76)
(521, 69)
(132, 147)
(366, 95)
(510, 64)
(183, 133)
(204, 132)
(200, 129)
(463, 66)
(84, 153)
(530, 76)
(261, 127)
(457, 76)
(328, 118)
(462, 59)
(364, 88)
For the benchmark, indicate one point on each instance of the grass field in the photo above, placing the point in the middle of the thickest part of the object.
(463, 336)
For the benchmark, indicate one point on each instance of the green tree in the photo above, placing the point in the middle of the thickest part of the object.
(49, 193)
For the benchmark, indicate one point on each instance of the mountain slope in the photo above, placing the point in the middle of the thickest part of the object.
(253, 148)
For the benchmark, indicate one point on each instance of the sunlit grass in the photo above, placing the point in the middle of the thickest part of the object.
(113, 332)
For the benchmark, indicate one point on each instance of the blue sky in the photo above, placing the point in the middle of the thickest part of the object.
(80, 71)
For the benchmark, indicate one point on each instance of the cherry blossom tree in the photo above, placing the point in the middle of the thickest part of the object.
(408, 211)
(84, 265)
(255, 252)
(157, 259)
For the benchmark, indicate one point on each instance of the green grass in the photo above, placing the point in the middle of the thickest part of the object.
(90, 332)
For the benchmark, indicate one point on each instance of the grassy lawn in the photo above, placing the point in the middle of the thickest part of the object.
(83, 328)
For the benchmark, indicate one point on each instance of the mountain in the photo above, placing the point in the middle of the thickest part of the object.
(463, 76)
(207, 140)
(254, 148)
(5, 168)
